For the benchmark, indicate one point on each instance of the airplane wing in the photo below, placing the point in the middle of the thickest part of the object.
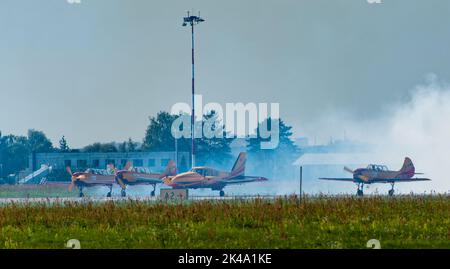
(243, 179)
(100, 182)
(338, 179)
(148, 180)
(392, 180)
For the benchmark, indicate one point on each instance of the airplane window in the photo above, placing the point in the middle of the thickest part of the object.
(202, 172)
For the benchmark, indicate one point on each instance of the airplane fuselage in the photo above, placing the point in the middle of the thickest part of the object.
(369, 176)
(89, 179)
(136, 178)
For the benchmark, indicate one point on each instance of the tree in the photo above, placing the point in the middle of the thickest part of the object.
(38, 142)
(211, 151)
(158, 136)
(275, 162)
(131, 145)
(63, 146)
(123, 147)
(101, 147)
(127, 146)
(214, 151)
(14, 151)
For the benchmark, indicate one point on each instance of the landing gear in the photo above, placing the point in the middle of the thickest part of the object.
(109, 194)
(360, 191)
(152, 194)
(391, 191)
(222, 193)
(81, 194)
(123, 193)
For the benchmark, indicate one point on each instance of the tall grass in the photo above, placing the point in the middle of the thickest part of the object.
(320, 222)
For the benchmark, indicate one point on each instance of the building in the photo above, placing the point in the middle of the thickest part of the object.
(156, 161)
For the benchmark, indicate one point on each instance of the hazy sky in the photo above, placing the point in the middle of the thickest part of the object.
(97, 70)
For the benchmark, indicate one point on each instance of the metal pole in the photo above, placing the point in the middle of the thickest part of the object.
(301, 182)
(176, 152)
(192, 20)
(193, 101)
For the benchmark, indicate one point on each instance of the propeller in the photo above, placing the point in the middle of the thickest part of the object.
(72, 183)
(348, 170)
(362, 177)
(111, 168)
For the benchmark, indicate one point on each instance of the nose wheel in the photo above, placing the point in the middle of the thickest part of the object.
(391, 191)
(123, 193)
(81, 194)
(360, 191)
(152, 193)
(109, 194)
(222, 193)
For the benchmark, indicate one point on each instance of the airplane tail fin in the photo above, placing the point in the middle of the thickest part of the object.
(111, 169)
(239, 166)
(408, 168)
(128, 166)
(171, 169)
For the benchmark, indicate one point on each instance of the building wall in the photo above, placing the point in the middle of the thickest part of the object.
(156, 161)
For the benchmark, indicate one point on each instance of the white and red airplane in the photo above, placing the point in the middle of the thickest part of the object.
(381, 174)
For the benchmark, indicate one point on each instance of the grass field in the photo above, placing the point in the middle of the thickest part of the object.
(36, 191)
(320, 222)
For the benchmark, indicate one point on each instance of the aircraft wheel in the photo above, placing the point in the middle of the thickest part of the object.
(152, 194)
(222, 193)
(391, 192)
(81, 195)
(108, 194)
(123, 193)
(359, 193)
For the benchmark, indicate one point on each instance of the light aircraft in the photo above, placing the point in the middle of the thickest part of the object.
(143, 176)
(92, 177)
(206, 177)
(381, 174)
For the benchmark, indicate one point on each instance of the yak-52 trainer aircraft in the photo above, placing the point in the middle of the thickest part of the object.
(92, 177)
(206, 177)
(143, 176)
(381, 174)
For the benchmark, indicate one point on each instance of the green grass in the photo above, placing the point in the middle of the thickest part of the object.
(321, 222)
(35, 191)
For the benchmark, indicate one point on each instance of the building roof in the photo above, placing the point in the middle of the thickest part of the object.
(335, 159)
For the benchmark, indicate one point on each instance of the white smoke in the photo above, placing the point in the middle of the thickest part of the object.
(419, 129)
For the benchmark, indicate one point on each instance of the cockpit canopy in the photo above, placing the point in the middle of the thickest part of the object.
(376, 167)
(205, 171)
(103, 172)
(142, 170)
